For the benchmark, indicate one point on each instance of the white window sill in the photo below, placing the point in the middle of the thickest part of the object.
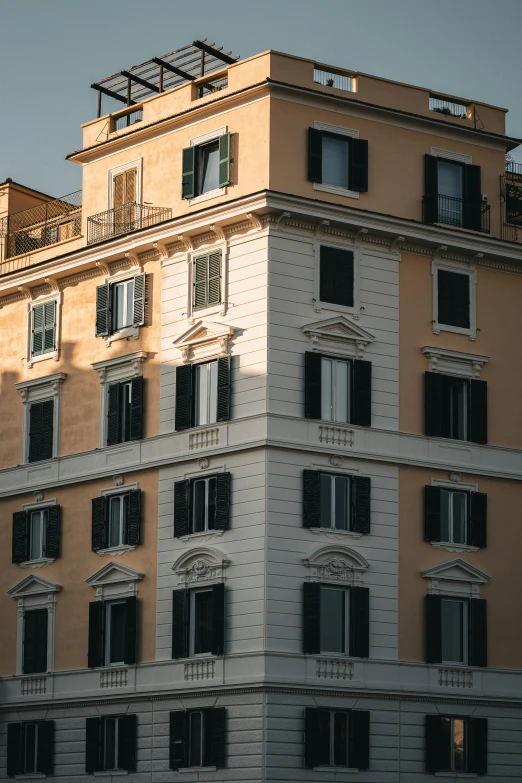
(335, 769)
(336, 190)
(202, 536)
(197, 769)
(31, 776)
(438, 328)
(207, 196)
(333, 531)
(337, 308)
(454, 547)
(115, 550)
(110, 772)
(42, 357)
(456, 775)
(123, 334)
(219, 309)
(36, 563)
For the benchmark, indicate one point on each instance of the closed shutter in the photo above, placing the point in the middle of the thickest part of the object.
(38, 330)
(214, 733)
(477, 521)
(118, 192)
(432, 530)
(312, 618)
(478, 413)
(134, 518)
(180, 618)
(214, 278)
(362, 393)
(45, 754)
(113, 414)
(437, 405)
(127, 742)
(478, 745)
(138, 304)
(93, 745)
(222, 521)
(103, 310)
(224, 160)
(336, 276)
(218, 619)
(124, 188)
(312, 385)
(181, 508)
(188, 165)
(96, 652)
(20, 537)
(358, 165)
(49, 341)
(453, 299)
(131, 630)
(311, 498)
(14, 749)
(317, 738)
(184, 381)
(41, 430)
(136, 422)
(478, 632)
(223, 389)
(359, 622)
(315, 155)
(52, 541)
(433, 629)
(361, 504)
(200, 284)
(99, 523)
(178, 740)
(35, 641)
(431, 189)
(438, 744)
(47, 429)
(472, 198)
(359, 739)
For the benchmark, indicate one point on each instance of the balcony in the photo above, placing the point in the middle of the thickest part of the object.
(456, 212)
(124, 219)
(47, 224)
(511, 201)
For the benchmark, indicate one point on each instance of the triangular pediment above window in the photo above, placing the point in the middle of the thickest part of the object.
(337, 564)
(34, 585)
(456, 570)
(113, 573)
(339, 334)
(204, 340)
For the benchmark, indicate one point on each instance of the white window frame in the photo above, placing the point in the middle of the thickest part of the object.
(346, 591)
(340, 131)
(319, 305)
(454, 486)
(46, 388)
(116, 370)
(122, 489)
(189, 733)
(333, 477)
(35, 592)
(108, 612)
(216, 309)
(453, 718)
(123, 282)
(348, 362)
(132, 164)
(117, 769)
(206, 481)
(122, 276)
(457, 268)
(464, 630)
(208, 402)
(54, 354)
(333, 712)
(30, 507)
(192, 621)
(199, 141)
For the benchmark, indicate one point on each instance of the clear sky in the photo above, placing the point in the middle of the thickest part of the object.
(52, 50)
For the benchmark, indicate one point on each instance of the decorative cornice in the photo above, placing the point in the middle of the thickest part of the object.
(458, 363)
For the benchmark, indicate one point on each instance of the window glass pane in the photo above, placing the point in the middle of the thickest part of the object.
(341, 502)
(36, 535)
(459, 756)
(459, 411)
(199, 506)
(211, 513)
(110, 744)
(195, 739)
(212, 413)
(203, 622)
(459, 517)
(209, 167)
(445, 515)
(325, 489)
(326, 389)
(341, 391)
(118, 295)
(332, 623)
(116, 633)
(452, 631)
(450, 179)
(125, 407)
(129, 303)
(201, 394)
(115, 510)
(335, 162)
(31, 731)
(340, 754)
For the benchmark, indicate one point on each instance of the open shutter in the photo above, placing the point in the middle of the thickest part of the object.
(312, 385)
(359, 622)
(359, 748)
(336, 276)
(99, 523)
(178, 740)
(311, 498)
(431, 189)
(453, 298)
(214, 278)
(136, 422)
(478, 411)
(188, 165)
(222, 521)
(45, 754)
(183, 397)
(362, 393)
(47, 429)
(478, 632)
(93, 727)
(358, 165)
(477, 522)
(312, 618)
(103, 310)
(134, 519)
(14, 749)
(438, 744)
(38, 330)
(180, 623)
(138, 305)
(436, 405)
(315, 155)
(181, 508)
(214, 733)
(127, 743)
(52, 542)
(478, 745)
(96, 634)
(223, 389)
(433, 629)
(361, 507)
(218, 619)
(49, 342)
(224, 160)
(113, 414)
(131, 630)
(317, 738)
(472, 198)
(431, 513)
(20, 543)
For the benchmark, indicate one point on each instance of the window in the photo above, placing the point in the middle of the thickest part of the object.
(35, 641)
(123, 305)
(110, 743)
(456, 744)
(453, 299)
(336, 502)
(454, 622)
(337, 160)
(30, 748)
(336, 276)
(115, 617)
(41, 430)
(197, 738)
(118, 516)
(198, 621)
(453, 194)
(113, 632)
(207, 280)
(41, 416)
(455, 517)
(120, 305)
(202, 393)
(202, 504)
(206, 383)
(337, 738)
(456, 630)
(336, 620)
(206, 167)
(36, 534)
(116, 520)
(455, 407)
(338, 390)
(125, 411)
(43, 328)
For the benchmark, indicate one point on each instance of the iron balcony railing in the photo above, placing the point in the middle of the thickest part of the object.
(511, 201)
(48, 223)
(449, 108)
(456, 212)
(122, 220)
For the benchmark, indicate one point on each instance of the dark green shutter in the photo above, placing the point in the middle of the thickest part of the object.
(215, 735)
(478, 745)
(317, 738)
(222, 501)
(432, 513)
(311, 498)
(178, 740)
(431, 189)
(214, 278)
(20, 537)
(93, 745)
(359, 622)
(437, 405)
(181, 508)
(14, 749)
(336, 276)
(45, 753)
(136, 413)
(184, 382)
(361, 505)
(438, 744)
(312, 385)
(47, 429)
(358, 166)
(38, 330)
(52, 540)
(138, 305)
(99, 523)
(113, 414)
(359, 739)
(312, 618)
(103, 310)
(218, 619)
(433, 629)
(362, 393)
(134, 518)
(453, 299)
(41, 415)
(96, 652)
(223, 389)
(478, 412)
(127, 742)
(224, 160)
(131, 630)
(315, 155)
(188, 173)
(49, 339)
(35, 641)
(200, 283)
(478, 632)
(472, 198)
(477, 520)
(180, 619)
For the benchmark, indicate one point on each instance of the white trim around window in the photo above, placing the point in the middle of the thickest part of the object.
(461, 157)
(35, 592)
(462, 269)
(123, 489)
(340, 131)
(132, 164)
(54, 354)
(197, 141)
(325, 241)
(120, 368)
(38, 390)
(38, 506)
(217, 309)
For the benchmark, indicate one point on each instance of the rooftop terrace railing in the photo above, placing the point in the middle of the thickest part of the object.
(122, 220)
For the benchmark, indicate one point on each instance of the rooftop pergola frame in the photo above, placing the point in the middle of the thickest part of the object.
(163, 73)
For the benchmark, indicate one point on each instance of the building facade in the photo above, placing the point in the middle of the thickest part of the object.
(261, 436)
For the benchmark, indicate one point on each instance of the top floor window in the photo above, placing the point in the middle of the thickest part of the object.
(337, 160)
(206, 166)
(453, 194)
